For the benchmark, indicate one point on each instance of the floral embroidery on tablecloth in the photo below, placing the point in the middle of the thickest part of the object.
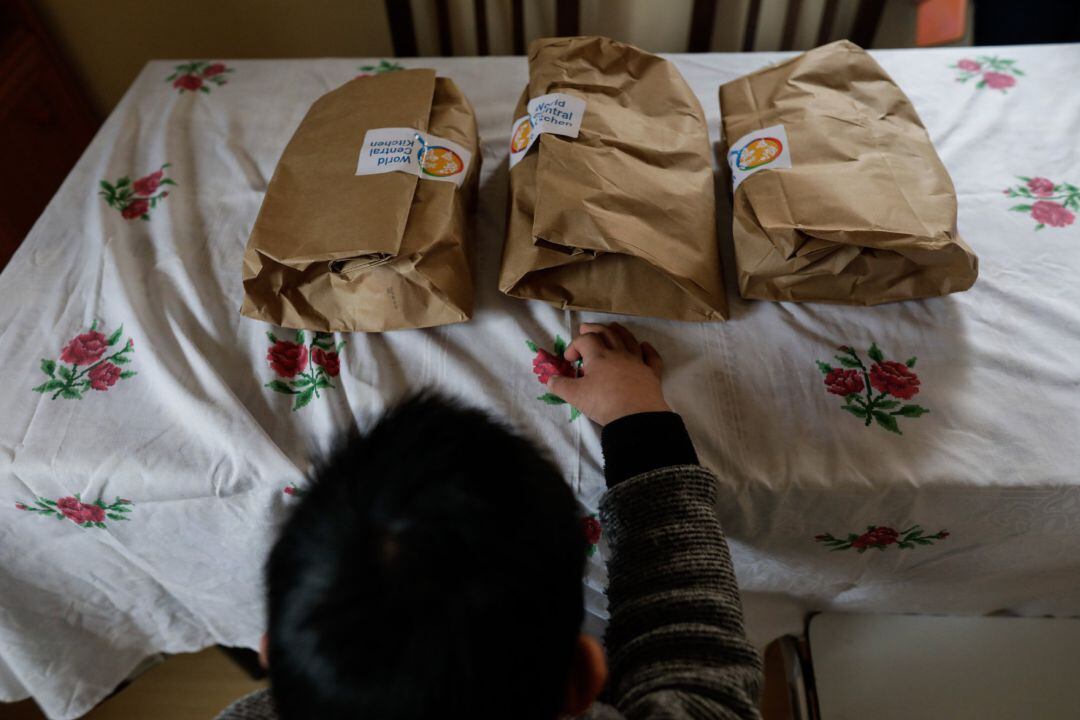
(87, 515)
(381, 67)
(198, 75)
(294, 490)
(993, 72)
(547, 365)
(593, 530)
(893, 380)
(1051, 202)
(880, 537)
(296, 375)
(136, 199)
(97, 373)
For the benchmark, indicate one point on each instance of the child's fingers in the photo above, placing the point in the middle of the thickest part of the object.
(626, 338)
(611, 340)
(584, 347)
(564, 387)
(652, 358)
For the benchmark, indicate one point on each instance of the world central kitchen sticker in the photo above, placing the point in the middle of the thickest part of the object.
(765, 149)
(555, 113)
(410, 151)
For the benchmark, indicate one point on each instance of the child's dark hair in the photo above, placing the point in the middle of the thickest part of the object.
(433, 569)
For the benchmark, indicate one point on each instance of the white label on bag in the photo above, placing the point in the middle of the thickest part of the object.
(765, 149)
(410, 151)
(554, 113)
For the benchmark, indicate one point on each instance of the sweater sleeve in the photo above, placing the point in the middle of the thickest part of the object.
(675, 641)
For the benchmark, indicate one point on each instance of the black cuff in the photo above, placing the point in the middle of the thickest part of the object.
(636, 444)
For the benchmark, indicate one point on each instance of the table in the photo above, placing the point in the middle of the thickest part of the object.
(138, 508)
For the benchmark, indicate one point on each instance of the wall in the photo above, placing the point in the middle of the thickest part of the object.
(108, 41)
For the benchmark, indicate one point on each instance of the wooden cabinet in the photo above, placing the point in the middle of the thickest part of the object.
(45, 122)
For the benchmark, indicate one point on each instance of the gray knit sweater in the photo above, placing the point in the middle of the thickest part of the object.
(675, 642)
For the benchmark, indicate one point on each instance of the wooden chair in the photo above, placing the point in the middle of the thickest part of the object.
(703, 18)
(568, 22)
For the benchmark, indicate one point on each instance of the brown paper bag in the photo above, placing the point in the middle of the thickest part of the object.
(621, 218)
(335, 251)
(860, 210)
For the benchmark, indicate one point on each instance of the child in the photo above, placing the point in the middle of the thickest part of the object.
(434, 570)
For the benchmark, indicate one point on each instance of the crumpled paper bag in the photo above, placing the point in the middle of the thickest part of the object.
(861, 209)
(335, 251)
(620, 218)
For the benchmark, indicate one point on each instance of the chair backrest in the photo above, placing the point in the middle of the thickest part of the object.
(403, 30)
(703, 19)
(568, 23)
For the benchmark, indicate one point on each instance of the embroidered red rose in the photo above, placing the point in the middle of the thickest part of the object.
(998, 81)
(135, 209)
(1040, 187)
(148, 185)
(287, 358)
(546, 366)
(79, 512)
(213, 69)
(85, 349)
(328, 361)
(969, 66)
(895, 379)
(290, 490)
(103, 376)
(1051, 213)
(876, 537)
(844, 382)
(592, 528)
(188, 82)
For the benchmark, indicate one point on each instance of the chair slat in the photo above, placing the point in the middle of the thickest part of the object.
(517, 22)
(702, 22)
(828, 15)
(480, 11)
(567, 18)
(402, 29)
(442, 17)
(866, 22)
(791, 22)
(753, 10)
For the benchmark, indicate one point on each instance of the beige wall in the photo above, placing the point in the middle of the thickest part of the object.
(108, 41)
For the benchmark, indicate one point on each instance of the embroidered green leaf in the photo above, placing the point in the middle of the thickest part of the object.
(913, 411)
(886, 404)
(981, 84)
(303, 399)
(271, 336)
(911, 362)
(128, 373)
(300, 337)
(875, 353)
(48, 367)
(115, 337)
(560, 346)
(574, 413)
(1021, 208)
(856, 411)
(825, 368)
(279, 386)
(532, 346)
(121, 359)
(303, 381)
(71, 394)
(551, 399)
(1017, 71)
(887, 421)
(848, 362)
(1040, 226)
(66, 373)
(340, 346)
(48, 386)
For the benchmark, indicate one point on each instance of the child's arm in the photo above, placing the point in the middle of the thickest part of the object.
(675, 641)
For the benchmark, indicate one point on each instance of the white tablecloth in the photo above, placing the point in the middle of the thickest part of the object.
(193, 457)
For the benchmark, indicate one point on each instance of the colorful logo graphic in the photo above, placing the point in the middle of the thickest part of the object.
(756, 153)
(440, 161)
(520, 141)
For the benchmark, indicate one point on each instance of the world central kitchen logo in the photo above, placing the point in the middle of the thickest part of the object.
(756, 153)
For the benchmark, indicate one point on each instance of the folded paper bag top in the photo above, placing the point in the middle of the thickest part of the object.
(618, 213)
(839, 196)
(333, 249)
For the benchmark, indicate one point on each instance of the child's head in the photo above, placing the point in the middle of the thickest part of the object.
(432, 570)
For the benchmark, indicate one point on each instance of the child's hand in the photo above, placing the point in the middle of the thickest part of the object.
(620, 377)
